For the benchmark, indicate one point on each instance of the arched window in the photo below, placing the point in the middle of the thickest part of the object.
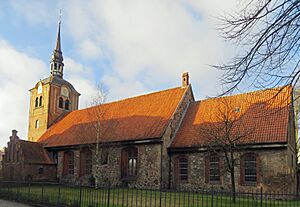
(182, 165)
(129, 162)
(68, 168)
(85, 162)
(104, 157)
(41, 100)
(67, 104)
(212, 168)
(41, 170)
(61, 103)
(36, 102)
(249, 167)
(37, 124)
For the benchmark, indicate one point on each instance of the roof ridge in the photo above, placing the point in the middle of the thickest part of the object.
(125, 99)
(242, 94)
(31, 142)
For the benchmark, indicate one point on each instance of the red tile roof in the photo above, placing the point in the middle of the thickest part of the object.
(263, 115)
(138, 118)
(35, 153)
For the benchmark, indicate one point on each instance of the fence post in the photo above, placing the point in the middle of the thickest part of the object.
(58, 196)
(80, 193)
(28, 191)
(212, 195)
(160, 196)
(261, 196)
(43, 192)
(108, 194)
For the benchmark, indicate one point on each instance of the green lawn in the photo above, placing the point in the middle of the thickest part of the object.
(89, 197)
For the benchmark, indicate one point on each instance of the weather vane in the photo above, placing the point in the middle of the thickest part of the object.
(60, 16)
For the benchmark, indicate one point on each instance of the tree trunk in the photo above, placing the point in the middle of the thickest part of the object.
(233, 184)
(97, 162)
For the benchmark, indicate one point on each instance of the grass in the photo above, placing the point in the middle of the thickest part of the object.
(89, 197)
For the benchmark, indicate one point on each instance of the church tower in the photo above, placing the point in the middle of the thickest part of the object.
(52, 97)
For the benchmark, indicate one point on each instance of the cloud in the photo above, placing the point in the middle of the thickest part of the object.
(145, 42)
(36, 12)
(141, 46)
(82, 79)
(150, 43)
(19, 73)
(124, 89)
(89, 50)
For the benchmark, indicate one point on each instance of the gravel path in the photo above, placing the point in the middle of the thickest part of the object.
(4, 203)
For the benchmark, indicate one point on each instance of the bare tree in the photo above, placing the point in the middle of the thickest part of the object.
(94, 130)
(98, 113)
(268, 34)
(223, 133)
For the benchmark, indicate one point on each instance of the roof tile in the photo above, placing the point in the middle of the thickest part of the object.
(264, 113)
(137, 118)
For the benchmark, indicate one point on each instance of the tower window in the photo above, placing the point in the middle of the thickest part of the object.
(67, 104)
(37, 124)
(41, 101)
(36, 102)
(61, 103)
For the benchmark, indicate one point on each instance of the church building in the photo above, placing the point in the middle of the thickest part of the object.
(157, 140)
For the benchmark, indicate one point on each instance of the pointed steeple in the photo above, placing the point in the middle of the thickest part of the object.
(56, 62)
(58, 47)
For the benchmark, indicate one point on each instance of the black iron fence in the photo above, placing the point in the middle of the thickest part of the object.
(54, 194)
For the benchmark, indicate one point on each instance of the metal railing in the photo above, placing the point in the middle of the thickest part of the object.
(55, 194)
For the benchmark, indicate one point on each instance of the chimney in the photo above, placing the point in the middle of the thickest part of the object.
(185, 79)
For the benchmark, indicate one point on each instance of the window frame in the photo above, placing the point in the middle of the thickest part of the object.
(69, 163)
(36, 102)
(40, 101)
(243, 169)
(217, 167)
(37, 124)
(178, 169)
(86, 162)
(129, 171)
(41, 170)
(67, 104)
(60, 103)
(104, 157)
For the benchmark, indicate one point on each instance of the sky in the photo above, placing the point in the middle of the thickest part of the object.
(130, 47)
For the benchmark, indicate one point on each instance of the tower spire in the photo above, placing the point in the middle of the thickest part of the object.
(58, 46)
(56, 62)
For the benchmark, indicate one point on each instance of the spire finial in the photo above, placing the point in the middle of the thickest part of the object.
(58, 44)
(57, 58)
(60, 16)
